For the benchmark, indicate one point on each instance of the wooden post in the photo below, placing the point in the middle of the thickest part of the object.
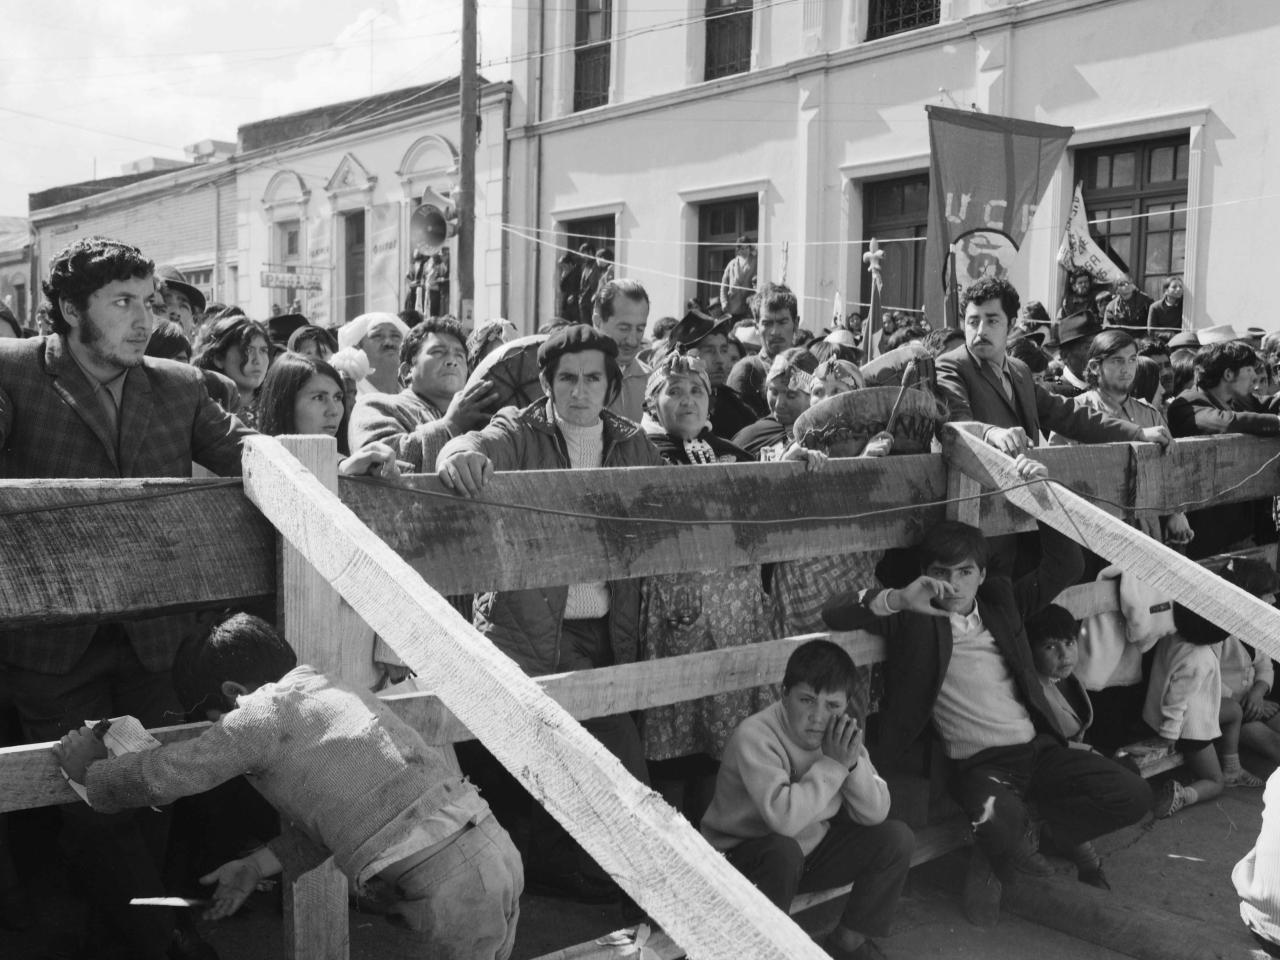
(320, 627)
(1160, 568)
(654, 854)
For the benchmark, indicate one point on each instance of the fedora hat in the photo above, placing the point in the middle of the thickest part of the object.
(1077, 327)
(1187, 338)
(172, 278)
(1222, 333)
(695, 326)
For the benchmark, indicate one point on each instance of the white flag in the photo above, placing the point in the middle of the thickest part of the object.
(1079, 251)
(837, 312)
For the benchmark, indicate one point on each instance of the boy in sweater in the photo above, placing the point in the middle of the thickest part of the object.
(798, 805)
(350, 779)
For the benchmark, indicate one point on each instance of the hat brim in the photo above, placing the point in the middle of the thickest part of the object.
(193, 294)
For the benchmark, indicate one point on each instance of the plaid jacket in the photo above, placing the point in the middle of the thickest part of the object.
(52, 425)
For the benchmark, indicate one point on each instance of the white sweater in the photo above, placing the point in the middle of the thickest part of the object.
(1185, 693)
(770, 784)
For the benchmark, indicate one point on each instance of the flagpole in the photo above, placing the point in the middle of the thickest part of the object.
(953, 291)
(871, 326)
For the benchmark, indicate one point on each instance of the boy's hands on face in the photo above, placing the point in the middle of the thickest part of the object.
(919, 596)
(77, 750)
(843, 740)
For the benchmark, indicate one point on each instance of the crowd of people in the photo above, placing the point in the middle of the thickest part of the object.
(134, 375)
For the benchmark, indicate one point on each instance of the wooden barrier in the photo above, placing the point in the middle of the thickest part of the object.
(202, 543)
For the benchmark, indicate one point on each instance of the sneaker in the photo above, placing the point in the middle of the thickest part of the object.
(982, 890)
(1243, 778)
(1171, 798)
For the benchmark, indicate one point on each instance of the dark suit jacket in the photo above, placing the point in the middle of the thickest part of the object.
(52, 425)
(1193, 413)
(919, 646)
(973, 392)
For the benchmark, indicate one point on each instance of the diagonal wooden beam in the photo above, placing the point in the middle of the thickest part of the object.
(1162, 569)
(653, 853)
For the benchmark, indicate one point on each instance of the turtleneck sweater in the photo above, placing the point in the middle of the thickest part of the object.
(587, 601)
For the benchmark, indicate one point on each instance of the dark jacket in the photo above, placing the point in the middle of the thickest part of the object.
(973, 392)
(919, 646)
(53, 425)
(526, 624)
(729, 412)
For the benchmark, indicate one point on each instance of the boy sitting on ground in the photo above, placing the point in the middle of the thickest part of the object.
(798, 805)
(350, 779)
(1052, 634)
(958, 657)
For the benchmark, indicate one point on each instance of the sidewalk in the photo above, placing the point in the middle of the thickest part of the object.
(1171, 898)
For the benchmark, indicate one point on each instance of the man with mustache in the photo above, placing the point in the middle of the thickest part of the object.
(981, 382)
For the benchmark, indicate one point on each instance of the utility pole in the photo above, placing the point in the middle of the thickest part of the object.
(465, 197)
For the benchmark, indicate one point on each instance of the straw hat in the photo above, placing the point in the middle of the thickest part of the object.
(842, 425)
(1222, 333)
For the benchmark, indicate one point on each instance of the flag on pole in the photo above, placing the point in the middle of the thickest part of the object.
(1079, 251)
(871, 325)
(837, 312)
(987, 175)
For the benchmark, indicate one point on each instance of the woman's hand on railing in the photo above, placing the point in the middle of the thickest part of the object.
(812, 459)
(375, 459)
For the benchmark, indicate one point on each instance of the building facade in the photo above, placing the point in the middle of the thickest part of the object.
(15, 268)
(182, 215)
(802, 123)
(326, 199)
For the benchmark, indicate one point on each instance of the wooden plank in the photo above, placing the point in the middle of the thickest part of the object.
(642, 842)
(1162, 569)
(318, 624)
(635, 686)
(29, 774)
(640, 521)
(78, 550)
(962, 492)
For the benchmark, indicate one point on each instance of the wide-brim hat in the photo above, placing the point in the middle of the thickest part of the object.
(1221, 333)
(1187, 338)
(512, 368)
(173, 278)
(284, 326)
(841, 337)
(842, 425)
(1078, 326)
(1021, 333)
(695, 326)
(746, 333)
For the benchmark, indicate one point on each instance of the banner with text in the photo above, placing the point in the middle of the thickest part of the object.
(1079, 251)
(987, 175)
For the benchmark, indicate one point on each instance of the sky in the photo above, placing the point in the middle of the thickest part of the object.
(87, 87)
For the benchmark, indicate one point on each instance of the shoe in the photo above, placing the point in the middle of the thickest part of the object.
(1170, 800)
(1243, 778)
(982, 890)
(1093, 876)
(572, 886)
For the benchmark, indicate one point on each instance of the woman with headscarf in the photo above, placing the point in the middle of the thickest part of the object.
(374, 338)
(692, 612)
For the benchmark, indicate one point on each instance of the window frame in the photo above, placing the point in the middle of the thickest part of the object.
(887, 18)
(592, 57)
(725, 54)
(717, 248)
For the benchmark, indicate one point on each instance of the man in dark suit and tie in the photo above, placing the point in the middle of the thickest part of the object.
(981, 382)
(86, 402)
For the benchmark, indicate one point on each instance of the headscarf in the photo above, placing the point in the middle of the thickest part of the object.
(837, 376)
(690, 366)
(795, 365)
(502, 330)
(350, 334)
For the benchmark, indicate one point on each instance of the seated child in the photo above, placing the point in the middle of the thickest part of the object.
(350, 779)
(1186, 709)
(798, 805)
(1052, 634)
(959, 661)
(1247, 674)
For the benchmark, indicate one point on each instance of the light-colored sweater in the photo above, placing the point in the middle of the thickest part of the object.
(1257, 876)
(768, 783)
(586, 601)
(348, 776)
(409, 423)
(1184, 693)
(1241, 669)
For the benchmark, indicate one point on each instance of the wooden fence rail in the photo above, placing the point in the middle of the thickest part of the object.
(165, 546)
